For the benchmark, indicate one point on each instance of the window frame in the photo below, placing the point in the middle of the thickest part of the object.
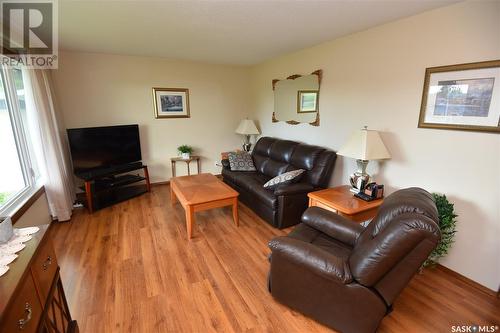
(32, 183)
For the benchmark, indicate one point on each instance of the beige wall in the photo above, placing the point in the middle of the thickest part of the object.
(375, 78)
(101, 90)
(37, 214)
(370, 78)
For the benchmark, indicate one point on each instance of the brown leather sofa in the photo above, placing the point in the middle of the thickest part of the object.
(284, 206)
(346, 276)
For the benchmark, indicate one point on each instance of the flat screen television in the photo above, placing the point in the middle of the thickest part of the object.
(97, 148)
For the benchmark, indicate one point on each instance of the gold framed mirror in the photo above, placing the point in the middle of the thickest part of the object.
(296, 99)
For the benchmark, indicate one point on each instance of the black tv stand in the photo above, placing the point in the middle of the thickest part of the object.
(114, 185)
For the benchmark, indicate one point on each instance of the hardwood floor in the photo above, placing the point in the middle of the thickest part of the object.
(130, 268)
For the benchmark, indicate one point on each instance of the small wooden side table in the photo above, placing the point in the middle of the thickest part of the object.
(341, 201)
(188, 161)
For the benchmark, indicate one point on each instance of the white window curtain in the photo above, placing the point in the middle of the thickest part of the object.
(50, 145)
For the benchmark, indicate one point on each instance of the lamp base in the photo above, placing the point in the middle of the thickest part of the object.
(360, 178)
(247, 146)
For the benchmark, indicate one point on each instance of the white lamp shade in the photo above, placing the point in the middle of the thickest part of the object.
(247, 127)
(365, 145)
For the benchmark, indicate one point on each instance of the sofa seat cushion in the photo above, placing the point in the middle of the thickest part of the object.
(235, 176)
(310, 235)
(263, 195)
(252, 182)
(243, 178)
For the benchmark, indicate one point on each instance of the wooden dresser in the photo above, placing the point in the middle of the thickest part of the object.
(31, 293)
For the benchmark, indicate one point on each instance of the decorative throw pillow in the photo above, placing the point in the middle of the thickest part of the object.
(240, 161)
(285, 178)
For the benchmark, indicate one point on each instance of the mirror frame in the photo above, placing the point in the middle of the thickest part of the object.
(319, 74)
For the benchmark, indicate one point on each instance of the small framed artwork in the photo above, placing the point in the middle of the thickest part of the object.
(462, 97)
(171, 102)
(307, 101)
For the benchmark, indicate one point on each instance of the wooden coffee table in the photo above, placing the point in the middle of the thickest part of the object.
(202, 192)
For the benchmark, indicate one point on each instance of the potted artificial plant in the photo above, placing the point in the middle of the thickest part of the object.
(447, 225)
(185, 151)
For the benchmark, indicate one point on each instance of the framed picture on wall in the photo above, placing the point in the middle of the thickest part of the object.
(171, 102)
(462, 97)
(307, 101)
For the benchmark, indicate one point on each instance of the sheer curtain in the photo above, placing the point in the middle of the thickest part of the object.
(52, 149)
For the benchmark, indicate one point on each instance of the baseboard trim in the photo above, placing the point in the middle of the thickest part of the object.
(167, 182)
(468, 281)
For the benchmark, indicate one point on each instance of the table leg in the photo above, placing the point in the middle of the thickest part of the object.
(173, 168)
(235, 212)
(146, 175)
(88, 194)
(198, 163)
(173, 198)
(189, 220)
(189, 172)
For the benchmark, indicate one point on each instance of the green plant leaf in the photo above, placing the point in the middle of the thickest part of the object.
(447, 225)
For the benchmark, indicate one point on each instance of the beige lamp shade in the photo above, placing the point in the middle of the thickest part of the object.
(247, 127)
(365, 145)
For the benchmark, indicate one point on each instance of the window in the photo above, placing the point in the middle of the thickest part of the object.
(18, 170)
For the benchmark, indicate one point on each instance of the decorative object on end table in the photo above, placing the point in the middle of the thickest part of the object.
(284, 179)
(247, 128)
(364, 145)
(6, 230)
(462, 97)
(185, 151)
(371, 192)
(171, 102)
(447, 225)
(240, 161)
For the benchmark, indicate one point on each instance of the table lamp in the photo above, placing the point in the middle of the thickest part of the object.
(364, 145)
(247, 127)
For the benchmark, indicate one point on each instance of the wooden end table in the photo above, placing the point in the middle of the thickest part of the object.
(202, 192)
(341, 201)
(173, 160)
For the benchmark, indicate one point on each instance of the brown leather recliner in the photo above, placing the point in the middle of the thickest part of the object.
(346, 276)
(283, 206)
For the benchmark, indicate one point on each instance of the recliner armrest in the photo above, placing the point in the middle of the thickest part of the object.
(314, 258)
(333, 225)
(293, 189)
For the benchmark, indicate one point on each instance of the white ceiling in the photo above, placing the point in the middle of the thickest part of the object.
(227, 32)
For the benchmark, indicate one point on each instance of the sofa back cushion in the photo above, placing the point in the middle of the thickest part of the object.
(273, 157)
(398, 240)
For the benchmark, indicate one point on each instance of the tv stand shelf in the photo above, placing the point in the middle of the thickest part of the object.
(113, 187)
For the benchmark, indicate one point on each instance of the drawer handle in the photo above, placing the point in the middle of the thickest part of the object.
(22, 322)
(47, 263)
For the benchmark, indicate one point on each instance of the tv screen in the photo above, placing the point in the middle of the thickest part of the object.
(95, 148)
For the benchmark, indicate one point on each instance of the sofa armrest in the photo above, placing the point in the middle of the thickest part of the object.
(312, 257)
(332, 224)
(225, 164)
(293, 189)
